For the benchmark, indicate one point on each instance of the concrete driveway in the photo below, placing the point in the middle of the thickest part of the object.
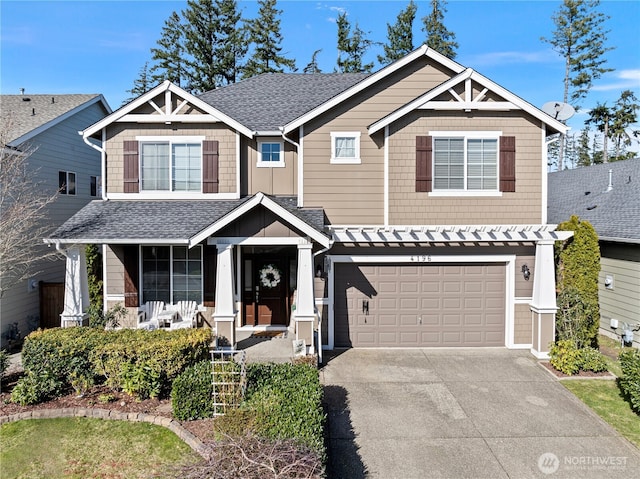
(463, 413)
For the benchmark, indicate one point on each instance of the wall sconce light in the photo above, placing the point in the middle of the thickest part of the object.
(526, 273)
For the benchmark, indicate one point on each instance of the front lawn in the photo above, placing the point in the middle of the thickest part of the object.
(605, 398)
(85, 448)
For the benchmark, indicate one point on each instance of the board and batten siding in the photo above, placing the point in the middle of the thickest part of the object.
(282, 181)
(59, 148)
(353, 193)
(406, 206)
(118, 133)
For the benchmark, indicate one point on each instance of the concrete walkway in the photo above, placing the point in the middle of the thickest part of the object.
(462, 414)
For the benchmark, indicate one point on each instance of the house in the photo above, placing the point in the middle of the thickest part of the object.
(60, 161)
(608, 196)
(404, 208)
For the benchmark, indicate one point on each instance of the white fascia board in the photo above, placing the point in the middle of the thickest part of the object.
(36, 131)
(165, 86)
(372, 79)
(275, 208)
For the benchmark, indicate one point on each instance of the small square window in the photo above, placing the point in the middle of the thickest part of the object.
(93, 187)
(66, 183)
(270, 154)
(345, 147)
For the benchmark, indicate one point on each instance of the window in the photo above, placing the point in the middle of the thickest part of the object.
(66, 183)
(169, 165)
(95, 187)
(270, 154)
(345, 147)
(465, 163)
(171, 273)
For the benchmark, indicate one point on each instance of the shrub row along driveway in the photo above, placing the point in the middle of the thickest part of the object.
(489, 413)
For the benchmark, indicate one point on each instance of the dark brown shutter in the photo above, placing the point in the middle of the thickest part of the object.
(131, 265)
(131, 167)
(424, 150)
(508, 163)
(209, 259)
(210, 166)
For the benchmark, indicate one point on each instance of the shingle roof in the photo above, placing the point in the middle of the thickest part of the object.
(25, 113)
(583, 192)
(141, 220)
(268, 101)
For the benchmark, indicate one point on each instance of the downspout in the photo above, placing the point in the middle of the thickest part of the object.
(103, 163)
(297, 147)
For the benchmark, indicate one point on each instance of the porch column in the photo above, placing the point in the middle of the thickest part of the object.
(225, 315)
(76, 288)
(305, 303)
(543, 305)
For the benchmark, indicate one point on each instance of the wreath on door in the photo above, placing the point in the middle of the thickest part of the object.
(270, 276)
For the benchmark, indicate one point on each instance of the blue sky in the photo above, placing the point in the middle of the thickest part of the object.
(100, 46)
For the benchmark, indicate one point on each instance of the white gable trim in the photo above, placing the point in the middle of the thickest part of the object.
(36, 131)
(513, 102)
(374, 78)
(167, 115)
(261, 199)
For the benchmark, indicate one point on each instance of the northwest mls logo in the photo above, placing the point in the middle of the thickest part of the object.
(548, 463)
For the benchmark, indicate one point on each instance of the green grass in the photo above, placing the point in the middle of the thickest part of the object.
(605, 398)
(85, 448)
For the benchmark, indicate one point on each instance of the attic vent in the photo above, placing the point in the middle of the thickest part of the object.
(26, 98)
(587, 193)
(629, 180)
(592, 207)
(53, 100)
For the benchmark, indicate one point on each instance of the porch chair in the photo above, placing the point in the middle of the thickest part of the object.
(148, 315)
(187, 311)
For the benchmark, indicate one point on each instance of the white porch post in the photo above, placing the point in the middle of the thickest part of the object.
(543, 304)
(76, 287)
(305, 302)
(225, 313)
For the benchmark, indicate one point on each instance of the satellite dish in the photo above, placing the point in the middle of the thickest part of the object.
(558, 110)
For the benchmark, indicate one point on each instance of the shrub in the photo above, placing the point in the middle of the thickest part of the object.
(630, 380)
(191, 393)
(35, 387)
(565, 357)
(111, 318)
(575, 317)
(592, 360)
(4, 362)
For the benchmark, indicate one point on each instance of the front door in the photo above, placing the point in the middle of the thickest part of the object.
(265, 295)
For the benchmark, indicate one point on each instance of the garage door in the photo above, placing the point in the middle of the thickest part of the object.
(419, 305)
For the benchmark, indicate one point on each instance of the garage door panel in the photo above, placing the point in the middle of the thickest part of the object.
(419, 305)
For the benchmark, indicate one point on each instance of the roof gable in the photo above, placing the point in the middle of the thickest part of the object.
(30, 115)
(167, 103)
(468, 91)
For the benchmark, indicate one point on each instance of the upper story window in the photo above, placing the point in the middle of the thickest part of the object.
(95, 186)
(270, 154)
(465, 164)
(345, 147)
(171, 165)
(66, 183)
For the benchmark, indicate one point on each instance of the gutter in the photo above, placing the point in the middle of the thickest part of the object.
(300, 203)
(103, 163)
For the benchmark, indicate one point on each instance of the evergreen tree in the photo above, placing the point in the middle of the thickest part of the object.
(580, 39)
(169, 56)
(352, 47)
(584, 153)
(200, 37)
(438, 37)
(264, 35)
(141, 85)
(624, 115)
(601, 117)
(232, 44)
(312, 66)
(399, 36)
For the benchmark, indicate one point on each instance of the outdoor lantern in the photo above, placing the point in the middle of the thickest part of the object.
(526, 272)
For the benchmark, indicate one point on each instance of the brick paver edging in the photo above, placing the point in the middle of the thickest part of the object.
(96, 413)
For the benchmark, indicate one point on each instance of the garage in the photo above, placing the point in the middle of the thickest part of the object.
(425, 305)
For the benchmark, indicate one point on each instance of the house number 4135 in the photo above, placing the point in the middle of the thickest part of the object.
(421, 258)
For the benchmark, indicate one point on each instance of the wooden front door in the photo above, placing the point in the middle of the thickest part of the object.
(51, 304)
(265, 296)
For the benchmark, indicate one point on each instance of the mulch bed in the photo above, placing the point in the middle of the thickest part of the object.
(203, 429)
(580, 374)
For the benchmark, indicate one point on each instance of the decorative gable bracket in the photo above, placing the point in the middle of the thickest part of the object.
(468, 102)
(183, 112)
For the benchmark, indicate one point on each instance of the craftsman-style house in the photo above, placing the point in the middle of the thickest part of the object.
(404, 208)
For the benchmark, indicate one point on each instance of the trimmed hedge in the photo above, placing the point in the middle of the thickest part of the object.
(142, 363)
(630, 380)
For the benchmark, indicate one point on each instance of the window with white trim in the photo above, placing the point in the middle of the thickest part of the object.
(172, 273)
(345, 147)
(270, 154)
(66, 183)
(171, 165)
(465, 163)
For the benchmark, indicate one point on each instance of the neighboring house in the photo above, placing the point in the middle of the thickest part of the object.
(49, 125)
(403, 208)
(608, 196)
